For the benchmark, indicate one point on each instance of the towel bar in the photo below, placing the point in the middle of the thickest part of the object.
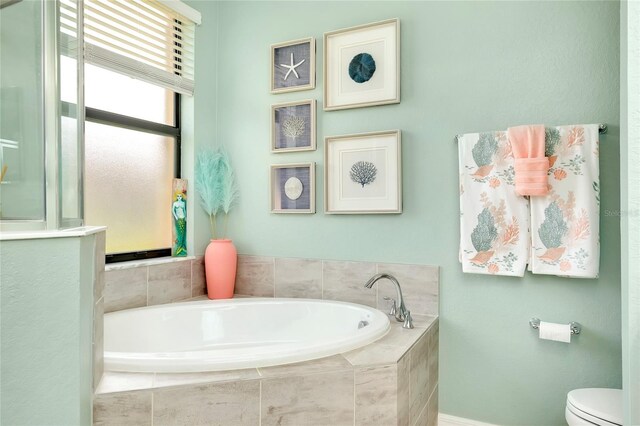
(602, 128)
(576, 328)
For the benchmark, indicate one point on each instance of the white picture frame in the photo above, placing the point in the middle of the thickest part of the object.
(293, 65)
(287, 195)
(362, 66)
(363, 173)
(293, 126)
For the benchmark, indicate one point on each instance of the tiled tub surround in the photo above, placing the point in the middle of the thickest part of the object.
(136, 284)
(338, 280)
(391, 381)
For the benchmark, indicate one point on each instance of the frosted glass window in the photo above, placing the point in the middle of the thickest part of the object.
(114, 92)
(128, 186)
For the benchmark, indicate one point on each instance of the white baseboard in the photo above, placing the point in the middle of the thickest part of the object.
(448, 420)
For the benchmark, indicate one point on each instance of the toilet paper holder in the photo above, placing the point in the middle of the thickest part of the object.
(574, 326)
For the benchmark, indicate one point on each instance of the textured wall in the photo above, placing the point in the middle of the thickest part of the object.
(630, 206)
(47, 319)
(466, 66)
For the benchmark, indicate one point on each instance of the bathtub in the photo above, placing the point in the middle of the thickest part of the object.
(233, 334)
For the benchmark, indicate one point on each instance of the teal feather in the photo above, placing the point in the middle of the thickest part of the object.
(215, 183)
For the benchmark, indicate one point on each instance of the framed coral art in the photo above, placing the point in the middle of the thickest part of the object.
(363, 173)
(292, 188)
(293, 126)
(362, 66)
(293, 65)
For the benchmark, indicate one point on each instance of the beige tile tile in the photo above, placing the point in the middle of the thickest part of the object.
(254, 276)
(401, 337)
(374, 354)
(345, 281)
(404, 384)
(180, 379)
(232, 403)
(98, 286)
(419, 374)
(434, 344)
(198, 281)
(423, 321)
(170, 282)
(376, 395)
(298, 278)
(319, 399)
(98, 342)
(122, 409)
(125, 288)
(422, 418)
(115, 381)
(419, 287)
(326, 364)
(432, 409)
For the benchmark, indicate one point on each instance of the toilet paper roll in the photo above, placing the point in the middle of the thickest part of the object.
(557, 332)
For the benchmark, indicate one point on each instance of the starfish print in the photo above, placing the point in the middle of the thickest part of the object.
(292, 68)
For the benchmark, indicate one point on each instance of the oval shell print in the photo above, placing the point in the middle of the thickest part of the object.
(362, 67)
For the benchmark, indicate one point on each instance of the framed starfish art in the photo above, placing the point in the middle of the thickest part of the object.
(293, 65)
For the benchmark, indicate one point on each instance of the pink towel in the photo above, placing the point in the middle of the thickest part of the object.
(531, 166)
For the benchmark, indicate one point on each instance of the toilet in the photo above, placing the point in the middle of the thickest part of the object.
(594, 406)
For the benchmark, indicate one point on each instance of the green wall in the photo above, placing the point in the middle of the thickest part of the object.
(630, 206)
(466, 66)
(46, 311)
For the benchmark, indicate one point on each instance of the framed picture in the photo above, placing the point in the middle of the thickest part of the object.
(363, 173)
(293, 188)
(362, 66)
(293, 65)
(293, 126)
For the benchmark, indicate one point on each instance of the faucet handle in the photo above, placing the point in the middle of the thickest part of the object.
(408, 321)
(393, 309)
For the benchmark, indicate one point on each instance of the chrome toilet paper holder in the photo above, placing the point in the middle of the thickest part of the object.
(575, 327)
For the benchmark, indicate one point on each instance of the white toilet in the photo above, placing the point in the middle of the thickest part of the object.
(594, 406)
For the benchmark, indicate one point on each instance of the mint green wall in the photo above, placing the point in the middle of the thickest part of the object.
(630, 206)
(46, 311)
(466, 66)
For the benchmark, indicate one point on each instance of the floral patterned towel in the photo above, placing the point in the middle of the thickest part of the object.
(565, 222)
(494, 219)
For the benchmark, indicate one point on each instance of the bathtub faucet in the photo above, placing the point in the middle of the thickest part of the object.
(400, 312)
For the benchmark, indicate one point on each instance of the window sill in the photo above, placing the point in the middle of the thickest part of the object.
(147, 262)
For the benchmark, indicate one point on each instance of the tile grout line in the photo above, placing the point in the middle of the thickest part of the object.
(147, 268)
(322, 279)
(259, 401)
(273, 260)
(354, 394)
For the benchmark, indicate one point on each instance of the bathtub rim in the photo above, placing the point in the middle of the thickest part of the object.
(159, 364)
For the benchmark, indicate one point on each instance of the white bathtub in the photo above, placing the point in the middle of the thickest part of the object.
(237, 333)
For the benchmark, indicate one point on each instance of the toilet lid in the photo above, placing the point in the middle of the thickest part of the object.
(605, 404)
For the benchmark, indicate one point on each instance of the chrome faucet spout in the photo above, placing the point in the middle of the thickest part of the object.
(401, 313)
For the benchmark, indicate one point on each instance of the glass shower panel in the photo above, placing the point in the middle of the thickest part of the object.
(128, 186)
(22, 190)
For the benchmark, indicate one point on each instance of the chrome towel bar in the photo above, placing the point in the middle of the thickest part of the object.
(576, 328)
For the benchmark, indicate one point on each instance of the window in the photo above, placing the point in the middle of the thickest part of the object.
(132, 154)
(138, 62)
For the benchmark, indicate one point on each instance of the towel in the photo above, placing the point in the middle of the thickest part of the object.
(494, 220)
(565, 223)
(531, 166)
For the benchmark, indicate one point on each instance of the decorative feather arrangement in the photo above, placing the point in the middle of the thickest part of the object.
(216, 185)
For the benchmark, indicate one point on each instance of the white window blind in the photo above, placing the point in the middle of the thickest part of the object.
(145, 39)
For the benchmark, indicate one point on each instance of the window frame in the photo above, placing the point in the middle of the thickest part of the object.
(108, 118)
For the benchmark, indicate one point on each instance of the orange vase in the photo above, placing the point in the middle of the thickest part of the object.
(220, 261)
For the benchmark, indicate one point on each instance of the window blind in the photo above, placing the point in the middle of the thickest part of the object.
(145, 39)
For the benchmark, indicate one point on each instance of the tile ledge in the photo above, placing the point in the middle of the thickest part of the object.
(147, 262)
(82, 231)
